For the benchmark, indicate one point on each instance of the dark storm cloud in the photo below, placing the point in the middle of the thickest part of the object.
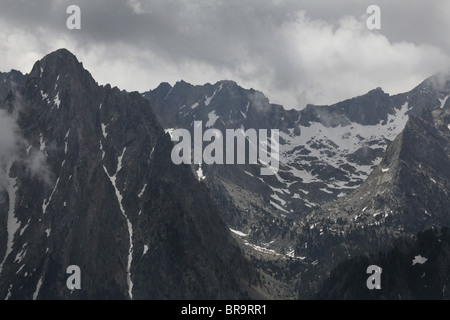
(295, 51)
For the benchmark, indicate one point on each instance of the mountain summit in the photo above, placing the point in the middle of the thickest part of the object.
(93, 185)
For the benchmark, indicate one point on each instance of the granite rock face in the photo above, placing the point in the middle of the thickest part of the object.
(326, 152)
(353, 176)
(406, 194)
(92, 184)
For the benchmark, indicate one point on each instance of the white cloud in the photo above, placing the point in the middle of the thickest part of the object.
(8, 146)
(136, 6)
(11, 141)
(330, 64)
(292, 55)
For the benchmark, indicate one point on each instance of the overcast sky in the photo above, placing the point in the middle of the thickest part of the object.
(295, 51)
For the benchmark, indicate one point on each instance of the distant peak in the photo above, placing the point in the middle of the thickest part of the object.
(14, 71)
(62, 55)
(439, 81)
(61, 61)
(182, 84)
(227, 82)
(164, 86)
(377, 90)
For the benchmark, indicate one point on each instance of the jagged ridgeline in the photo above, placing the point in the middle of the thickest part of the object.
(86, 179)
(91, 183)
(326, 152)
(353, 176)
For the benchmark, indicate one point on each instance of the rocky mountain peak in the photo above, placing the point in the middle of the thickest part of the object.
(59, 71)
(61, 60)
(106, 198)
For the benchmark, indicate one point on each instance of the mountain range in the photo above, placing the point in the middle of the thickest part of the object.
(91, 183)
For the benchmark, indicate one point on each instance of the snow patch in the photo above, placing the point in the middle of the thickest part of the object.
(200, 173)
(276, 197)
(42, 143)
(46, 203)
(119, 160)
(167, 95)
(105, 134)
(239, 233)
(143, 190)
(38, 288)
(66, 141)
(195, 105)
(145, 250)
(330, 146)
(212, 118)
(24, 228)
(101, 149)
(129, 225)
(208, 99)
(13, 224)
(249, 174)
(281, 191)
(291, 253)
(8, 295)
(21, 254)
(44, 95)
(419, 260)
(20, 269)
(385, 170)
(326, 190)
(57, 101)
(151, 153)
(277, 206)
(262, 249)
(170, 131)
(443, 101)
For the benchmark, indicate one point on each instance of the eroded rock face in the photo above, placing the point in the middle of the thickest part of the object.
(326, 152)
(338, 191)
(94, 186)
(406, 194)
